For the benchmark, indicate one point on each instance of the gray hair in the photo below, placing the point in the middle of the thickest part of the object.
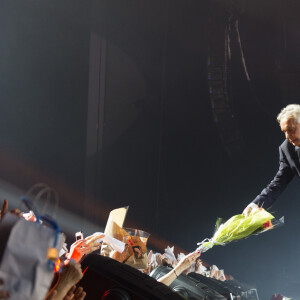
(290, 111)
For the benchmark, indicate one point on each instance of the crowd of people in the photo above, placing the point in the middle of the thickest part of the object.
(68, 270)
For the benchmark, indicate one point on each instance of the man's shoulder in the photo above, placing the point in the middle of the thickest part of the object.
(286, 145)
(287, 148)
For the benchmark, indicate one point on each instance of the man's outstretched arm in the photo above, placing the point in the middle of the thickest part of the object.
(269, 194)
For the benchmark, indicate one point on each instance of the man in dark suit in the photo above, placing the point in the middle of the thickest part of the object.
(289, 159)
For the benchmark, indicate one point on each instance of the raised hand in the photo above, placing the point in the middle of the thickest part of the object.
(70, 275)
(183, 264)
(186, 262)
(75, 294)
(84, 246)
(78, 249)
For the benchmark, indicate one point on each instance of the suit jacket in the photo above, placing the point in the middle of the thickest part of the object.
(289, 166)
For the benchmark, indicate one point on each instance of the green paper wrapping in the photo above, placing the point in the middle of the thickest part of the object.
(236, 228)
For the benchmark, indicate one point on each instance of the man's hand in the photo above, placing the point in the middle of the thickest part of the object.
(250, 209)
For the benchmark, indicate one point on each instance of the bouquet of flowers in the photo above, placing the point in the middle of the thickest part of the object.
(239, 227)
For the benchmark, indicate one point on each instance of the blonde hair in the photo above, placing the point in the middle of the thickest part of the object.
(290, 111)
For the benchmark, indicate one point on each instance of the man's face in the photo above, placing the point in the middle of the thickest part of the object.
(291, 129)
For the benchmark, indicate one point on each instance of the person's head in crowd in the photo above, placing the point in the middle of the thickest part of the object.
(199, 268)
(166, 262)
(163, 261)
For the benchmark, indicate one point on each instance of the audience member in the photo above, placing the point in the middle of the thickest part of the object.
(199, 268)
(66, 280)
(71, 273)
(184, 264)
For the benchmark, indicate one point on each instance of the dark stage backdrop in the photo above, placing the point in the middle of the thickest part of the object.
(108, 102)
